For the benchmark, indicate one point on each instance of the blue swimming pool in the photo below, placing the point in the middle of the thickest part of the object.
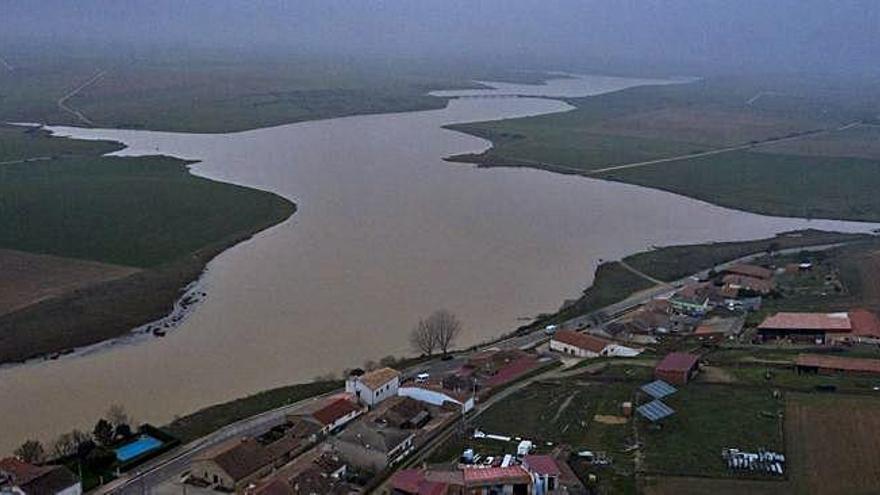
(143, 444)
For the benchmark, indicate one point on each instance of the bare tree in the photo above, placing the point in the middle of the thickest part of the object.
(68, 444)
(117, 416)
(31, 452)
(445, 327)
(422, 338)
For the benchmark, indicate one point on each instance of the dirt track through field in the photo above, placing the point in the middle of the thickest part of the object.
(27, 278)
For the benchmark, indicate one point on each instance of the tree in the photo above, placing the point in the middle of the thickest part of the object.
(68, 444)
(31, 452)
(63, 446)
(445, 327)
(116, 415)
(422, 339)
(123, 431)
(388, 361)
(85, 448)
(100, 458)
(103, 432)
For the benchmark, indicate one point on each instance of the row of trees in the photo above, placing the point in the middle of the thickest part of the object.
(436, 332)
(92, 446)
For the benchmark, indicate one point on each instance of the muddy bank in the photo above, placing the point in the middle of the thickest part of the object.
(109, 310)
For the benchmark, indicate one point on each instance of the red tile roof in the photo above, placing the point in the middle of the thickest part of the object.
(750, 270)
(512, 370)
(433, 488)
(22, 472)
(541, 464)
(749, 283)
(678, 361)
(864, 323)
(829, 322)
(581, 340)
(408, 480)
(335, 410)
(413, 481)
(840, 363)
(496, 476)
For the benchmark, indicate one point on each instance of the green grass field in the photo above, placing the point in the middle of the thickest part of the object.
(141, 211)
(709, 418)
(223, 92)
(830, 175)
(129, 211)
(784, 185)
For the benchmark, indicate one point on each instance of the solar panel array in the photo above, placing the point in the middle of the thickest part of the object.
(655, 410)
(659, 389)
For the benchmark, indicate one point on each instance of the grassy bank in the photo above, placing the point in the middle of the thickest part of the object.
(674, 262)
(614, 283)
(210, 419)
(819, 175)
(145, 212)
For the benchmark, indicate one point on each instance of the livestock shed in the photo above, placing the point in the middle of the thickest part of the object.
(817, 363)
(865, 329)
(804, 327)
(677, 367)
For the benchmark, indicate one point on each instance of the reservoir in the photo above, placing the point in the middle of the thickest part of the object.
(386, 232)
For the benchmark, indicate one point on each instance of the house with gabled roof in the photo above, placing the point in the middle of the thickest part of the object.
(588, 346)
(233, 464)
(372, 446)
(331, 414)
(372, 387)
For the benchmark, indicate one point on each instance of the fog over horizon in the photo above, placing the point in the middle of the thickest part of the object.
(839, 37)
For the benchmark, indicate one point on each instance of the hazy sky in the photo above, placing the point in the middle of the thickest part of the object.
(826, 35)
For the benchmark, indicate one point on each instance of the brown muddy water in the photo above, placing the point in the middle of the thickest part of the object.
(386, 232)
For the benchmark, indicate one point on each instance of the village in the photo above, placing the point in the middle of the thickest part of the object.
(696, 381)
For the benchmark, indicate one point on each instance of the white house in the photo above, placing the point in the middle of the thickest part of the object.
(588, 346)
(374, 386)
(437, 396)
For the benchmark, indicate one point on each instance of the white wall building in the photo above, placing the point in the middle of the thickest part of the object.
(588, 346)
(436, 397)
(374, 386)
